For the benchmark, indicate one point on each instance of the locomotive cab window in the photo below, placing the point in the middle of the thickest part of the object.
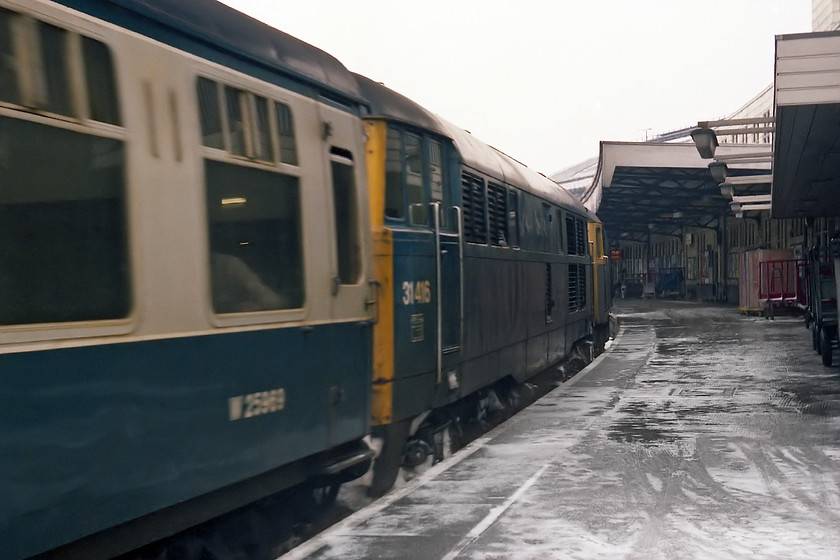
(63, 240)
(394, 176)
(599, 243)
(413, 166)
(415, 193)
(440, 192)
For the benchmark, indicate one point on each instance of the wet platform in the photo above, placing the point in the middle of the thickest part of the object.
(700, 433)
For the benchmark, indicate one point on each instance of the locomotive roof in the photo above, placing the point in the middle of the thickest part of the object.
(474, 153)
(386, 102)
(489, 160)
(207, 27)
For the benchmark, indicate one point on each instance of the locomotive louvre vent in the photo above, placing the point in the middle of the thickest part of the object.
(497, 213)
(575, 236)
(475, 227)
(577, 287)
(580, 237)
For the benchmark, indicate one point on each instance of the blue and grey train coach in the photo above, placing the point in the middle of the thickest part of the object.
(185, 315)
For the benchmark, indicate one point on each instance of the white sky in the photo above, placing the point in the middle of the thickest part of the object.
(546, 80)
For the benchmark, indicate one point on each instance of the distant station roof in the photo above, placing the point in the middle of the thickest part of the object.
(806, 154)
(643, 188)
(577, 178)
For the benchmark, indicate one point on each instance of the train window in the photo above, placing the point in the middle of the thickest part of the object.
(9, 88)
(415, 191)
(101, 86)
(599, 243)
(245, 124)
(256, 261)
(405, 178)
(63, 247)
(474, 205)
(497, 214)
(286, 132)
(210, 114)
(235, 121)
(394, 176)
(513, 218)
(346, 212)
(436, 170)
(50, 69)
(54, 96)
(262, 148)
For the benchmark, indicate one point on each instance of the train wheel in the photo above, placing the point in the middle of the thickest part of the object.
(826, 336)
(815, 338)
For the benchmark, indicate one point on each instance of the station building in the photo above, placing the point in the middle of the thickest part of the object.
(731, 220)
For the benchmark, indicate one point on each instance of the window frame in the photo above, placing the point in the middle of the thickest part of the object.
(351, 225)
(80, 122)
(32, 80)
(247, 100)
(277, 166)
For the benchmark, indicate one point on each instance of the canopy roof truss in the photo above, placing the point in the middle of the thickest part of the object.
(644, 189)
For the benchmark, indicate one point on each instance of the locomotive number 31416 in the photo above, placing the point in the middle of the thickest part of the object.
(416, 292)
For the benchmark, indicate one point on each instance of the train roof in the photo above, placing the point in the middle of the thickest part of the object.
(387, 103)
(220, 33)
(487, 159)
(474, 153)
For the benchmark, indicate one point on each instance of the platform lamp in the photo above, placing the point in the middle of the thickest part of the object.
(705, 140)
(727, 190)
(719, 171)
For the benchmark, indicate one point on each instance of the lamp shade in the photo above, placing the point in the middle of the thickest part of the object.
(705, 140)
(719, 171)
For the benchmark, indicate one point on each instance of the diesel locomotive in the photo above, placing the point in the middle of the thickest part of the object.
(485, 272)
(225, 260)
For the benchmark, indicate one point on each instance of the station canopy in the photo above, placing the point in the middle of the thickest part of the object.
(806, 153)
(653, 188)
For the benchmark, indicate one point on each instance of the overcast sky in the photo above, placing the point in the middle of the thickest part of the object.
(546, 80)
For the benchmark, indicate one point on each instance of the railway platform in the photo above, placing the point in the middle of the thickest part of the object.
(700, 433)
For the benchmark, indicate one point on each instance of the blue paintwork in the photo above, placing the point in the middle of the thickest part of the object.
(94, 436)
(414, 260)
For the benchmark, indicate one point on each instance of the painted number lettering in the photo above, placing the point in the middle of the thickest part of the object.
(416, 292)
(255, 404)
